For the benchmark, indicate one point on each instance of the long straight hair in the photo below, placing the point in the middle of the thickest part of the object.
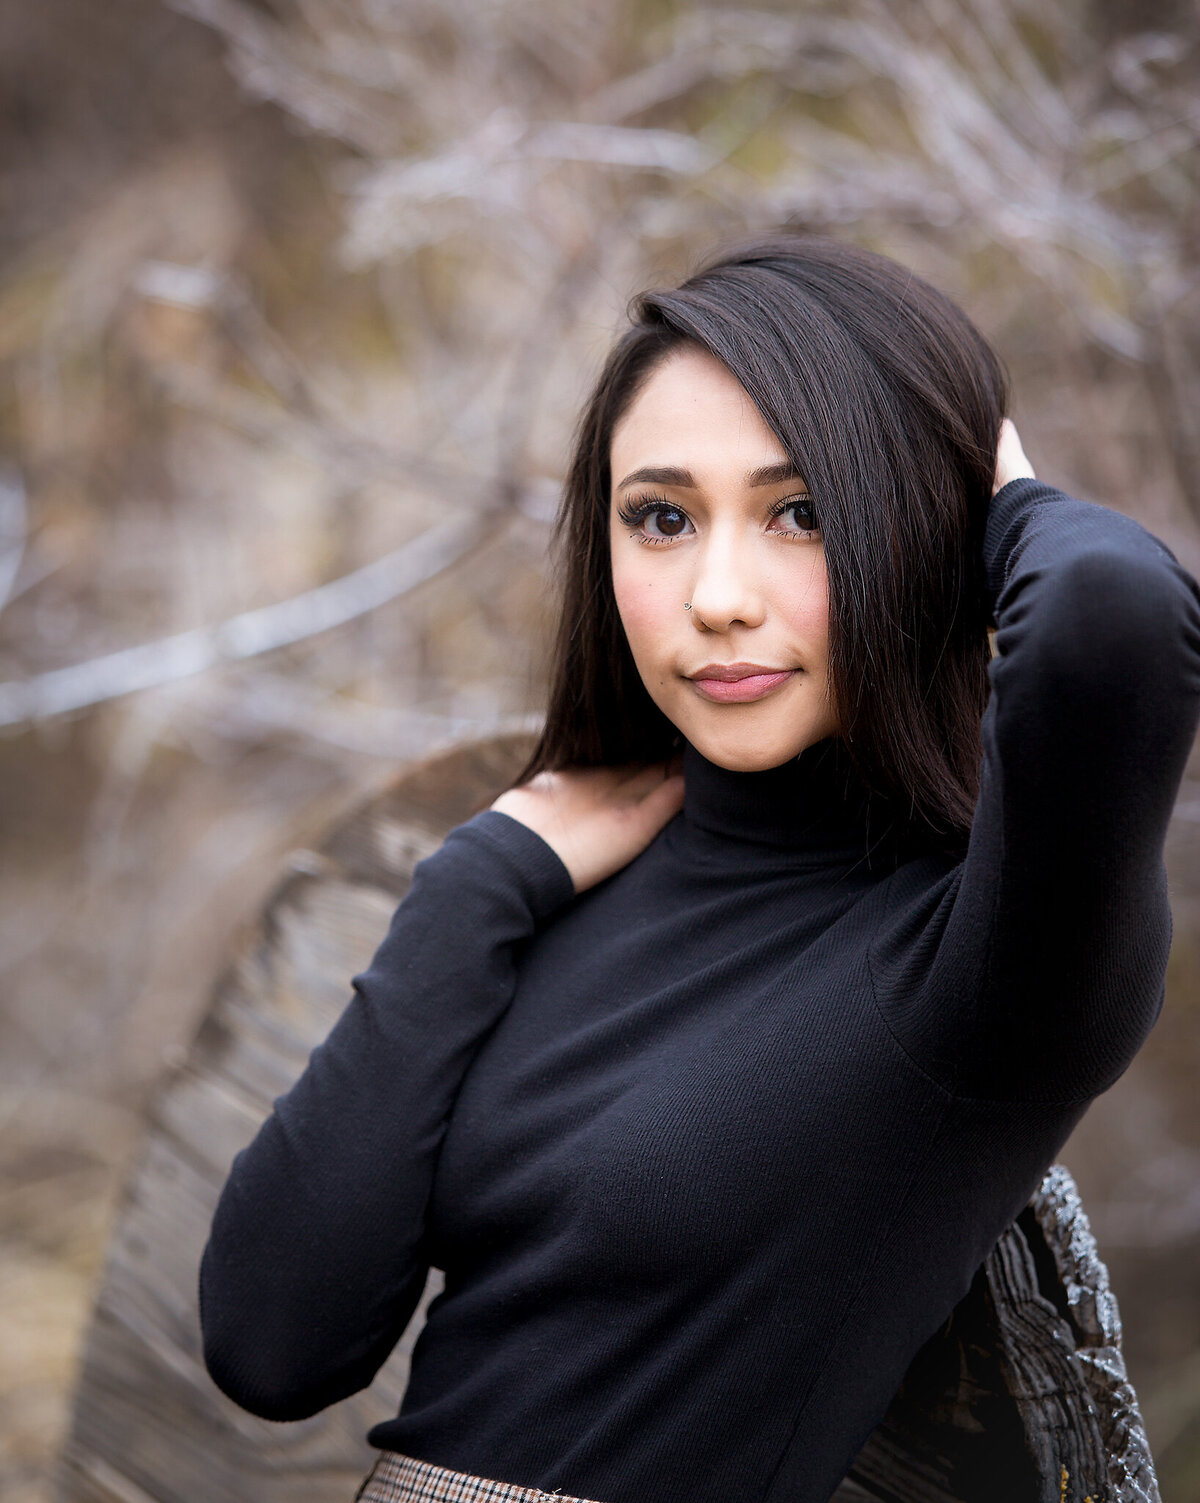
(888, 401)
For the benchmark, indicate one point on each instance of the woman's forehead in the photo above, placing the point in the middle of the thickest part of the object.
(692, 413)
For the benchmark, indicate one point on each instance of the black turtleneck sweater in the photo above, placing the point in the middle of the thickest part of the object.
(708, 1151)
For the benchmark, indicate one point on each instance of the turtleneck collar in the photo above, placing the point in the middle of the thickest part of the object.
(814, 805)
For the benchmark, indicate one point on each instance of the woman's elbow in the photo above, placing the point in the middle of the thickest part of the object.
(1130, 623)
(270, 1394)
(278, 1369)
(275, 1384)
(1151, 599)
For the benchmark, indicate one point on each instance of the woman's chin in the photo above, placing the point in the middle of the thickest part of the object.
(751, 748)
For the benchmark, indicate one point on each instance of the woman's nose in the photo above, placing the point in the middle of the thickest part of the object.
(725, 589)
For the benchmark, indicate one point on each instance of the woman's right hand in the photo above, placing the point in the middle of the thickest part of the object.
(597, 819)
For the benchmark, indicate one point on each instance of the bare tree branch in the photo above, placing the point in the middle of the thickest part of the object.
(273, 702)
(247, 635)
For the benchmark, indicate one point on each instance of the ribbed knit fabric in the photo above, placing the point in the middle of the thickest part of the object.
(709, 1150)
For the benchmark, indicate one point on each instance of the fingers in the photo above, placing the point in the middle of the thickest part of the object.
(1012, 463)
(647, 773)
(666, 783)
(655, 789)
(670, 792)
(659, 803)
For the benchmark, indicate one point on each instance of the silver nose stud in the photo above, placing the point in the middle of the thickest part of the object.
(687, 605)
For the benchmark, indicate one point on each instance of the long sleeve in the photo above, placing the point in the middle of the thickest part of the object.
(1040, 963)
(315, 1259)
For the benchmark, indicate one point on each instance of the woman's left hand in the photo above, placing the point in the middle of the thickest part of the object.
(1012, 462)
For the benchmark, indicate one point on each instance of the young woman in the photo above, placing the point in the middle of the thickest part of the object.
(712, 1059)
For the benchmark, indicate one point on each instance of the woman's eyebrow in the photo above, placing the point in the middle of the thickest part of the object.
(767, 474)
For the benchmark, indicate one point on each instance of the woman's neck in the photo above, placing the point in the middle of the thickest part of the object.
(814, 804)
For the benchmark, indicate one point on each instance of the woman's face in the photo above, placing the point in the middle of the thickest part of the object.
(707, 512)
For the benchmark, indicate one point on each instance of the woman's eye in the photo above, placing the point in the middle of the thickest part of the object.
(668, 521)
(658, 520)
(802, 511)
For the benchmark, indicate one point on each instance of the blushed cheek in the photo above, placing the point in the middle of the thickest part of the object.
(642, 606)
(805, 607)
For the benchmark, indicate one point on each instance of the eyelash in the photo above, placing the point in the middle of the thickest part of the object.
(634, 513)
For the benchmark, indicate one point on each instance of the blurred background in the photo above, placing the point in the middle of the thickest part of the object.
(298, 300)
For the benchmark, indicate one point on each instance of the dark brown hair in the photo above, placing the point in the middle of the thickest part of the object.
(888, 401)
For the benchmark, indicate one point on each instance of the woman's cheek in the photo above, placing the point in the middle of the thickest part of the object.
(806, 603)
(642, 607)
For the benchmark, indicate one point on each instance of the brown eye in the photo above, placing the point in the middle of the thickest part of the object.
(802, 512)
(669, 522)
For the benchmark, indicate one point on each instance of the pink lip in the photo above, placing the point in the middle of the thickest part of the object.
(738, 682)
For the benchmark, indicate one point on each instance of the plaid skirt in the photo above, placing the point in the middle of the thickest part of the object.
(401, 1479)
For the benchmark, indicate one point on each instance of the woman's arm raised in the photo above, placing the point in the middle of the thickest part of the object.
(315, 1261)
(1045, 955)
